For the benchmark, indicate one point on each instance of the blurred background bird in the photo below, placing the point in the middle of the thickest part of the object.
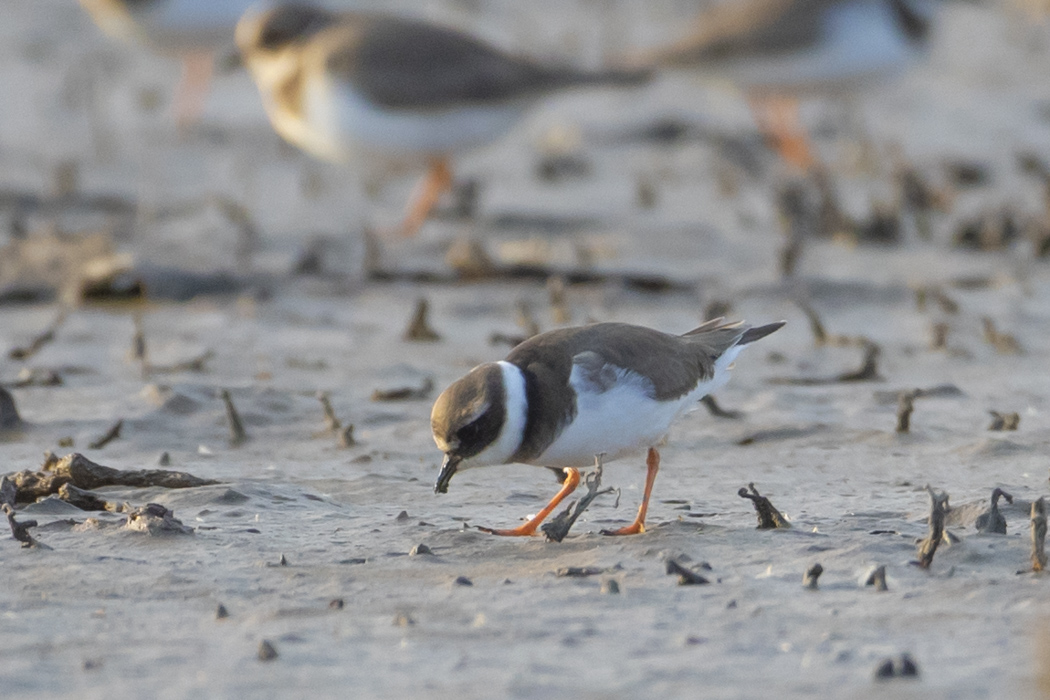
(343, 85)
(777, 51)
(196, 31)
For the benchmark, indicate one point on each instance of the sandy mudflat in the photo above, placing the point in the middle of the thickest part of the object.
(106, 612)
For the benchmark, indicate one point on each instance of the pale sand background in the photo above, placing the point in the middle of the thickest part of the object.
(109, 613)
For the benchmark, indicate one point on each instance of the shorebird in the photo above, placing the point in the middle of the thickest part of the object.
(779, 50)
(342, 84)
(193, 30)
(564, 397)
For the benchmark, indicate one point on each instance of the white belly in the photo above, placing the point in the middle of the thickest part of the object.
(339, 123)
(623, 420)
(862, 42)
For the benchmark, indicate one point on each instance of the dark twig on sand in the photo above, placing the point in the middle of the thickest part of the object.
(905, 667)
(686, 577)
(333, 424)
(9, 417)
(83, 499)
(1004, 421)
(8, 492)
(941, 391)
(526, 320)
(78, 470)
(194, 364)
(717, 411)
(580, 571)
(877, 578)
(798, 219)
(556, 295)
(109, 436)
(820, 335)
(48, 335)
(868, 371)
(36, 376)
(809, 579)
(346, 436)
(407, 393)
(939, 336)
(769, 518)
(419, 330)
(935, 294)
(1004, 343)
(1039, 534)
(237, 434)
(905, 406)
(558, 527)
(331, 421)
(20, 530)
(938, 510)
(993, 521)
(138, 346)
(267, 651)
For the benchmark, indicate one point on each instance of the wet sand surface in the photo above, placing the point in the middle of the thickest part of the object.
(307, 543)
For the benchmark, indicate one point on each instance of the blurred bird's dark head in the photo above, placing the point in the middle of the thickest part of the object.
(274, 29)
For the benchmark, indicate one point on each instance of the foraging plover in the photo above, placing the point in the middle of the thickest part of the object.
(340, 83)
(566, 396)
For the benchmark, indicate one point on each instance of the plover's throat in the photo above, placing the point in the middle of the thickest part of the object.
(517, 407)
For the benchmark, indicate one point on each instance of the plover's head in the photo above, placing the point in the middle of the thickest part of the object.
(265, 35)
(468, 421)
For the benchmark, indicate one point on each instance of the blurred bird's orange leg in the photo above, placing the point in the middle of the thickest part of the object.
(197, 68)
(638, 526)
(572, 480)
(779, 121)
(435, 183)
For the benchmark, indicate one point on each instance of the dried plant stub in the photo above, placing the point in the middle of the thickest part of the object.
(419, 330)
(1004, 421)
(686, 577)
(769, 518)
(877, 578)
(559, 526)
(109, 436)
(1038, 517)
(9, 417)
(233, 420)
(938, 510)
(993, 521)
(809, 579)
(905, 407)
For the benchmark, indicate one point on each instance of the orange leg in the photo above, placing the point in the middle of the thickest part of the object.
(197, 68)
(778, 119)
(435, 183)
(638, 526)
(572, 480)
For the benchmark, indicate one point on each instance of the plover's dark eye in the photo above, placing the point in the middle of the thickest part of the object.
(468, 434)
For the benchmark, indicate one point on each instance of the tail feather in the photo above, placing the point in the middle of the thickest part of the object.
(753, 334)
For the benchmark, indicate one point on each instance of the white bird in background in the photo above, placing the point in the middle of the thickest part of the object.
(779, 50)
(193, 30)
(342, 85)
